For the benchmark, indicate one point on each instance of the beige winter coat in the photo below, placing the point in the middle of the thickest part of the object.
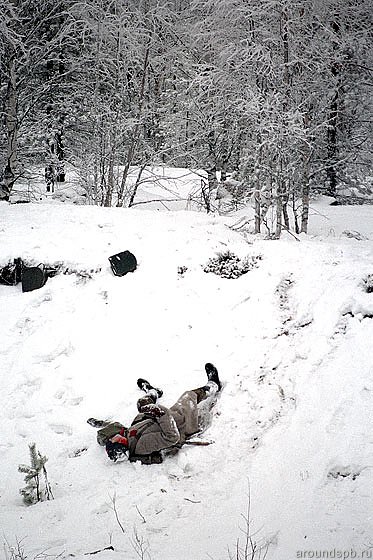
(172, 428)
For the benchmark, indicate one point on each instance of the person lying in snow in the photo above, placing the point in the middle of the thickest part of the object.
(156, 427)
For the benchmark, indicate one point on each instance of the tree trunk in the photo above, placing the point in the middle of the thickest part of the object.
(285, 211)
(206, 195)
(212, 183)
(60, 153)
(223, 172)
(136, 186)
(212, 178)
(257, 210)
(305, 205)
(282, 193)
(278, 218)
(110, 179)
(295, 213)
(279, 209)
(257, 183)
(8, 175)
(332, 147)
(332, 130)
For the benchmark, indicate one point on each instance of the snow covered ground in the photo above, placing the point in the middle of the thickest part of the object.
(292, 340)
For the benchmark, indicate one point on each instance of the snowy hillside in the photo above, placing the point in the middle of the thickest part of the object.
(292, 340)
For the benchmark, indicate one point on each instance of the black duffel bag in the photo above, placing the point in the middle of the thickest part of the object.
(33, 278)
(122, 263)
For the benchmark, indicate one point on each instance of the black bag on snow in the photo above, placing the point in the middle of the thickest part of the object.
(124, 262)
(33, 278)
(11, 274)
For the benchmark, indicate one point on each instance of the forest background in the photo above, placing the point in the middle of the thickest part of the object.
(274, 93)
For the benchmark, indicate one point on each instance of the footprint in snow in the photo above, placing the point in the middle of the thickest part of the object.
(339, 417)
(61, 429)
(62, 350)
(75, 401)
(77, 452)
(67, 400)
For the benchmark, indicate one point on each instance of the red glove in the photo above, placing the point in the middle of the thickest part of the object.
(152, 410)
(119, 439)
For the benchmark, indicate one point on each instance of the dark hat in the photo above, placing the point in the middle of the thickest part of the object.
(115, 450)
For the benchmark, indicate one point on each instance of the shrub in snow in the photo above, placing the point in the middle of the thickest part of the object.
(368, 282)
(340, 472)
(229, 265)
(37, 487)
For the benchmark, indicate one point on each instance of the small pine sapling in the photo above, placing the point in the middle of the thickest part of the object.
(37, 487)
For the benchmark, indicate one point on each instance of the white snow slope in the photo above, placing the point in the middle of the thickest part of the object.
(292, 340)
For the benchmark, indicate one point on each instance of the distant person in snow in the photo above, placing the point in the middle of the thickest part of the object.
(156, 427)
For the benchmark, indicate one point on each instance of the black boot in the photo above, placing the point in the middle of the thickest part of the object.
(95, 423)
(212, 374)
(144, 385)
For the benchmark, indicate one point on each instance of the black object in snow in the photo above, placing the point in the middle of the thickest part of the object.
(122, 263)
(11, 274)
(33, 278)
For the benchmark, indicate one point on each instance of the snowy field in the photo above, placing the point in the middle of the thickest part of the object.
(292, 340)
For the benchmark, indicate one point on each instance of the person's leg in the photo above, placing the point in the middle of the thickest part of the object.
(152, 393)
(192, 410)
(145, 386)
(207, 396)
(212, 387)
(149, 398)
(212, 374)
(205, 407)
(208, 390)
(202, 392)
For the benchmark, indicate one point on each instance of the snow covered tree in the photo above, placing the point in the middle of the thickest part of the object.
(122, 63)
(8, 84)
(275, 91)
(257, 87)
(37, 487)
(31, 39)
(345, 31)
(206, 116)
